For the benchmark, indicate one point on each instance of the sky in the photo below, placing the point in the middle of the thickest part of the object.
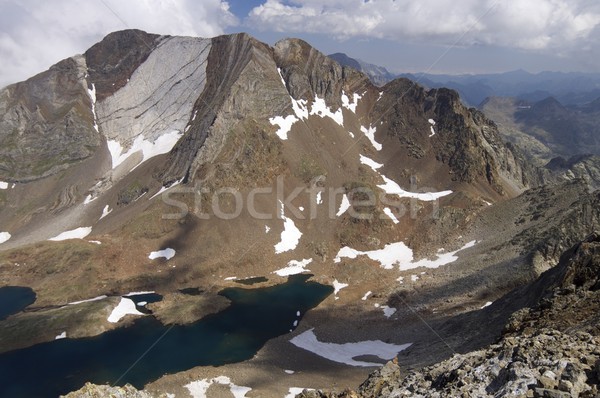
(434, 36)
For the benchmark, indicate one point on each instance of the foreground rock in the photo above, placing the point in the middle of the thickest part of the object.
(95, 391)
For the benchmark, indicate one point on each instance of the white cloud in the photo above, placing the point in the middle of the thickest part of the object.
(38, 33)
(541, 25)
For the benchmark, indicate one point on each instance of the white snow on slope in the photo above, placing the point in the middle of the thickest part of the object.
(366, 296)
(388, 212)
(4, 236)
(88, 300)
(344, 206)
(125, 307)
(390, 255)
(293, 391)
(399, 254)
(487, 304)
(294, 267)
(319, 197)
(346, 352)
(167, 254)
(88, 199)
(320, 108)
(370, 134)
(199, 388)
(285, 125)
(388, 311)
(442, 259)
(350, 105)
(3, 185)
(63, 335)
(163, 189)
(290, 236)
(337, 286)
(92, 94)
(78, 233)
(370, 162)
(105, 212)
(392, 188)
(163, 144)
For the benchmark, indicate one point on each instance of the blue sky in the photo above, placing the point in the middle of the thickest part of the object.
(436, 36)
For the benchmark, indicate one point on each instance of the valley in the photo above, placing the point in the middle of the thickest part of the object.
(290, 224)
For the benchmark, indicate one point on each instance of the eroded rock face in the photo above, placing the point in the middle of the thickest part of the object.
(46, 123)
(159, 96)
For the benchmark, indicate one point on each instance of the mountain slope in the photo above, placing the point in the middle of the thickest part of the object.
(236, 160)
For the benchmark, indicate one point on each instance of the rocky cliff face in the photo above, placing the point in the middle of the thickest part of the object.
(46, 123)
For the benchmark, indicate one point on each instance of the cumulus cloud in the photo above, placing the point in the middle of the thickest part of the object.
(38, 33)
(540, 25)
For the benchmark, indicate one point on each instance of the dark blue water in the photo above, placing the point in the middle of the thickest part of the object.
(14, 299)
(147, 350)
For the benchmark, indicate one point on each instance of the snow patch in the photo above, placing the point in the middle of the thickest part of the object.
(88, 300)
(125, 307)
(320, 108)
(267, 229)
(388, 212)
(431, 121)
(391, 254)
(294, 267)
(290, 372)
(163, 144)
(319, 197)
(163, 189)
(388, 311)
(78, 233)
(290, 236)
(442, 259)
(350, 105)
(337, 286)
(370, 162)
(285, 125)
(96, 242)
(199, 388)
(345, 205)
(92, 94)
(392, 188)
(4, 236)
(167, 254)
(293, 391)
(63, 335)
(105, 212)
(346, 352)
(366, 296)
(399, 254)
(3, 185)
(414, 278)
(88, 199)
(370, 134)
(487, 304)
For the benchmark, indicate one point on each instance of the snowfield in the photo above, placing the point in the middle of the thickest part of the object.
(290, 236)
(78, 233)
(4, 236)
(167, 254)
(198, 389)
(163, 144)
(125, 307)
(370, 134)
(401, 255)
(346, 352)
(294, 267)
(392, 188)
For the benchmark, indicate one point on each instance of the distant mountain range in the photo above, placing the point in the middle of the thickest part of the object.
(573, 88)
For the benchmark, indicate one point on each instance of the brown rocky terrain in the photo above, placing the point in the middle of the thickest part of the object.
(192, 117)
